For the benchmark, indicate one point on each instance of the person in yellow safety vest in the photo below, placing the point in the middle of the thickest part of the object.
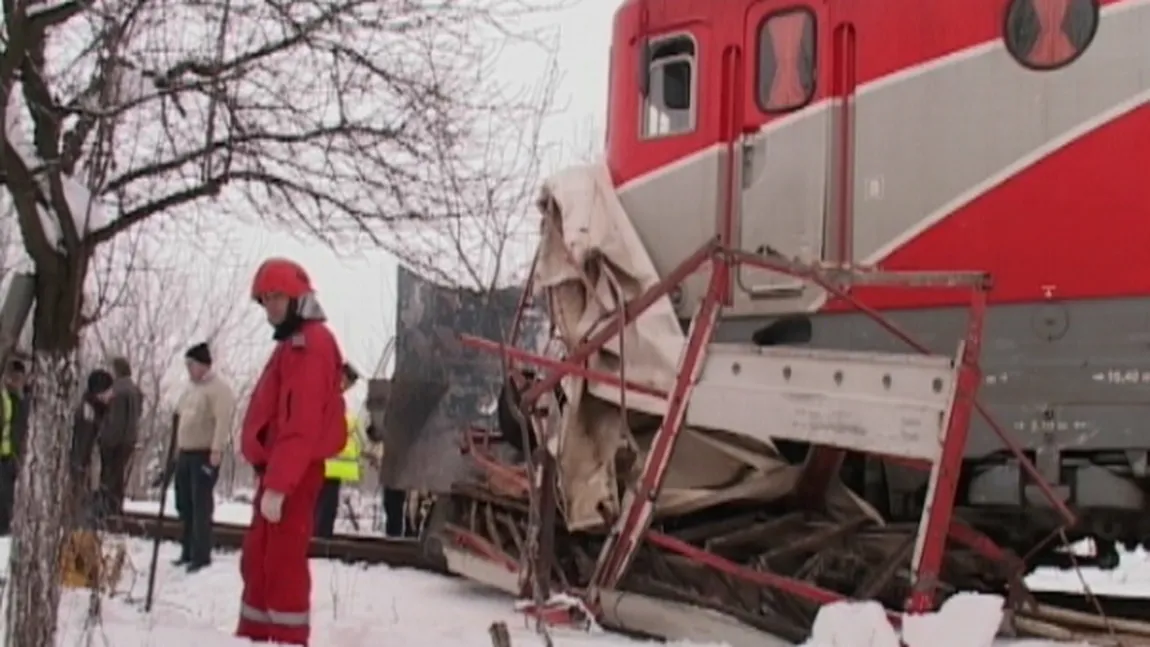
(339, 469)
(12, 435)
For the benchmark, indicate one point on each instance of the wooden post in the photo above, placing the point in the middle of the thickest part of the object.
(500, 636)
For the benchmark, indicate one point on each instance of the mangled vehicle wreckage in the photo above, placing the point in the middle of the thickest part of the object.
(685, 488)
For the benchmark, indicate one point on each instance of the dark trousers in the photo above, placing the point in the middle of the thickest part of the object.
(7, 494)
(195, 503)
(115, 460)
(327, 509)
(394, 504)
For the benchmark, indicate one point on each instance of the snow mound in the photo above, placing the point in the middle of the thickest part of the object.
(965, 620)
(852, 624)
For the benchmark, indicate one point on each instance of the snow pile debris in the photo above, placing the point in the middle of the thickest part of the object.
(965, 620)
(853, 624)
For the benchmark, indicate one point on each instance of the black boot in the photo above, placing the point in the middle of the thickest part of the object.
(195, 567)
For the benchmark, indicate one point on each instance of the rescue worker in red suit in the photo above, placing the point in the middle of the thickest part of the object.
(295, 421)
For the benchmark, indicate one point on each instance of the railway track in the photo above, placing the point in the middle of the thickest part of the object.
(1110, 606)
(1102, 621)
(400, 553)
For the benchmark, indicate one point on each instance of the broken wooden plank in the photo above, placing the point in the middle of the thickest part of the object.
(761, 533)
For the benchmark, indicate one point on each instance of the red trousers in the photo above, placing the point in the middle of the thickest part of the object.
(277, 583)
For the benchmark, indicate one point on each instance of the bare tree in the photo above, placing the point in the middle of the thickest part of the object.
(587, 141)
(346, 119)
(489, 241)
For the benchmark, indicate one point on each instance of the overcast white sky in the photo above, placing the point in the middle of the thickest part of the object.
(358, 289)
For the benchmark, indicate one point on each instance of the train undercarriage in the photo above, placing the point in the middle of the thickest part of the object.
(744, 574)
(1072, 399)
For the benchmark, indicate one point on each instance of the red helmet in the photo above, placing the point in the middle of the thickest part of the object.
(280, 276)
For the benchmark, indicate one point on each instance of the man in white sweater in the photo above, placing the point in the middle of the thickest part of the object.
(203, 428)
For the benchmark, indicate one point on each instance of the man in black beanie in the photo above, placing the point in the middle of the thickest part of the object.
(203, 429)
(200, 354)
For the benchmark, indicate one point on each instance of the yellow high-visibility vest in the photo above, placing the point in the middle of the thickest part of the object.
(344, 466)
(6, 432)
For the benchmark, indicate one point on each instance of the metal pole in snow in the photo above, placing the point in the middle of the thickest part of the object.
(169, 471)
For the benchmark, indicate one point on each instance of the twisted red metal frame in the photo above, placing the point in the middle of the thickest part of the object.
(822, 463)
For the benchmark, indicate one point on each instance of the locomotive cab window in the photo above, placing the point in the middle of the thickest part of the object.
(669, 104)
(787, 66)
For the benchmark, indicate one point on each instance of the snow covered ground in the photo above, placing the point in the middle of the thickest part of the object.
(351, 607)
(1130, 579)
(357, 606)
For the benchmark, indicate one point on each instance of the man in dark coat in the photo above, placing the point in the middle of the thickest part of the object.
(86, 421)
(118, 434)
(13, 437)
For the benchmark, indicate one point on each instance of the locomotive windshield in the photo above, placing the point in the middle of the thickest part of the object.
(668, 106)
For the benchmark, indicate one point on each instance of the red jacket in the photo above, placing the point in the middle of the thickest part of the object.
(295, 417)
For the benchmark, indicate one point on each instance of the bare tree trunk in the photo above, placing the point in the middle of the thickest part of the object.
(39, 518)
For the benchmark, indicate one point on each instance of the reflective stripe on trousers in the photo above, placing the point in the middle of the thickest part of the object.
(281, 618)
